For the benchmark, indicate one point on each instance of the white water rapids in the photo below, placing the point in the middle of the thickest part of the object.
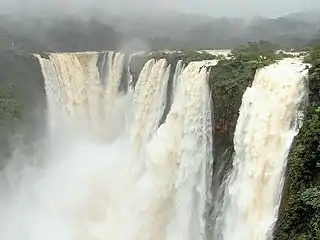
(114, 171)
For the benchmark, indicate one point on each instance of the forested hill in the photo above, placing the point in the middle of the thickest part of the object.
(168, 31)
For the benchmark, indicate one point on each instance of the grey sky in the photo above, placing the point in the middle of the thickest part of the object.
(218, 8)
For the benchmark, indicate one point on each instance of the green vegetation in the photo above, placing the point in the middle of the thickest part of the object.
(256, 51)
(262, 52)
(314, 54)
(253, 54)
(299, 217)
(229, 79)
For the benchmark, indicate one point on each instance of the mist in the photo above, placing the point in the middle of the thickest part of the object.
(83, 25)
(219, 8)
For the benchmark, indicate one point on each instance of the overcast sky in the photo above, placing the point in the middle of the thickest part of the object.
(218, 8)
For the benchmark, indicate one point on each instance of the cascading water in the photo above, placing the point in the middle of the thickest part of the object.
(76, 88)
(269, 119)
(177, 74)
(113, 172)
(194, 152)
(149, 100)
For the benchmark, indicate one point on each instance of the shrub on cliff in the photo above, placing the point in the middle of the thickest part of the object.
(256, 51)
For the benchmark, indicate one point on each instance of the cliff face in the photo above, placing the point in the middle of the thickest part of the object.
(22, 101)
(299, 216)
(228, 81)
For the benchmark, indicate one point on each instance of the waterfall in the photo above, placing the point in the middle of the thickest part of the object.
(176, 76)
(269, 119)
(191, 110)
(173, 189)
(77, 89)
(133, 161)
(149, 100)
(114, 170)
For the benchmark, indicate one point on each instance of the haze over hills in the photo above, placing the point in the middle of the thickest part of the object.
(308, 16)
(164, 30)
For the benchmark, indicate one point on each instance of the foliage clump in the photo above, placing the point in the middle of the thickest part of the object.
(262, 51)
(313, 54)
